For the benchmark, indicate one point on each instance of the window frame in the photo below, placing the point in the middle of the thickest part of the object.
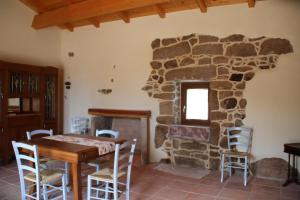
(184, 86)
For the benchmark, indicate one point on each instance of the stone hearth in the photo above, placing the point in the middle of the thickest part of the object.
(227, 64)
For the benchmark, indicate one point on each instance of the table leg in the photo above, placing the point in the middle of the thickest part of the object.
(288, 178)
(76, 178)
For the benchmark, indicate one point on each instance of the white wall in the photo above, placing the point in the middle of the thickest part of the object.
(273, 96)
(21, 43)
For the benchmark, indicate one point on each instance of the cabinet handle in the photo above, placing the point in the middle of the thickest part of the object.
(1, 96)
(2, 130)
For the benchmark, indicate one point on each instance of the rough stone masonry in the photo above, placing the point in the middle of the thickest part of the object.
(227, 64)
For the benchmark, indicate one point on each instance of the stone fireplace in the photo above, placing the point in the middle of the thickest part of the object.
(130, 123)
(227, 64)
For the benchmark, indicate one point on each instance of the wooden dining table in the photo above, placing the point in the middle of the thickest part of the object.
(74, 154)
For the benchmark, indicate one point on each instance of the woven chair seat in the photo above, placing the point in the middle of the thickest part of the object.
(47, 176)
(106, 175)
(101, 162)
(235, 153)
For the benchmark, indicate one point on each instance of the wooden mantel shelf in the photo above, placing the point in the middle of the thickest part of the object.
(120, 113)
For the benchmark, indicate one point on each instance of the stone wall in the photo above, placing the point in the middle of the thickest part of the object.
(226, 63)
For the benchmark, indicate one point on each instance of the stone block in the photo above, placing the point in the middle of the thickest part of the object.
(241, 50)
(243, 103)
(171, 64)
(248, 76)
(236, 77)
(224, 142)
(207, 38)
(168, 41)
(208, 49)
(147, 87)
(214, 154)
(214, 133)
(193, 41)
(223, 71)
(193, 145)
(214, 103)
(220, 85)
(155, 43)
(229, 103)
(187, 37)
(233, 38)
(182, 153)
(204, 61)
(217, 115)
(187, 61)
(192, 73)
(164, 96)
(275, 46)
(220, 60)
(225, 94)
(156, 65)
(168, 88)
(165, 120)
(172, 51)
(238, 123)
(200, 156)
(166, 108)
(160, 135)
(242, 69)
(241, 86)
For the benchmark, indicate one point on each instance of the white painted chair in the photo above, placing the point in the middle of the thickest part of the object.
(123, 159)
(35, 176)
(238, 153)
(44, 162)
(103, 133)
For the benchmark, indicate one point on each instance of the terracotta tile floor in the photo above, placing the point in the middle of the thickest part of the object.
(150, 184)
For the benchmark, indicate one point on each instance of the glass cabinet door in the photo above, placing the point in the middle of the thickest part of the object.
(1, 96)
(16, 83)
(33, 84)
(50, 97)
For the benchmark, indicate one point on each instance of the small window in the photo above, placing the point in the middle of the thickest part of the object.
(195, 103)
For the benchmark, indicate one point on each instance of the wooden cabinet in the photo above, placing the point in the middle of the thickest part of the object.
(28, 101)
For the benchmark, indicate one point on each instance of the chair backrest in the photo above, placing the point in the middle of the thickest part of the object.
(27, 162)
(40, 132)
(124, 158)
(107, 133)
(240, 138)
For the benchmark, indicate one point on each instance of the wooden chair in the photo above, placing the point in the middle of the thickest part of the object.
(238, 153)
(44, 162)
(123, 159)
(37, 177)
(103, 133)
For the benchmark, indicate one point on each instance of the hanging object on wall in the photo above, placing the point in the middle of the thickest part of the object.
(105, 91)
(71, 54)
(68, 85)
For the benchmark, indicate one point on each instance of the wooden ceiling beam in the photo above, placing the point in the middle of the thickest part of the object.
(125, 17)
(69, 26)
(95, 21)
(160, 11)
(36, 5)
(251, 3)
(202, 5)
(87, 9)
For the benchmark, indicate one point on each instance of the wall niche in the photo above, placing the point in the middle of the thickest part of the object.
(227, 64)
